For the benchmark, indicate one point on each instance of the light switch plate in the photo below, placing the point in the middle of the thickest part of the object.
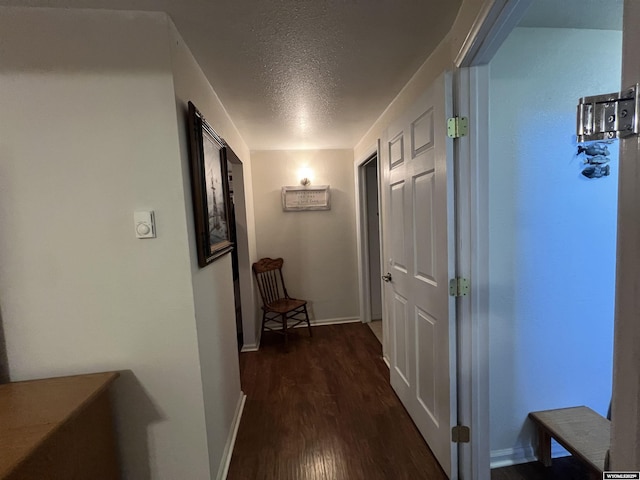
(145, 224)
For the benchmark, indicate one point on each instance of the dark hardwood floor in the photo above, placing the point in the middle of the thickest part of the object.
(565, 468)
(323, 409)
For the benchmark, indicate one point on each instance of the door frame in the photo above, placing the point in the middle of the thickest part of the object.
(625, 416)
(362, 239)
(491, 27)
(247, 289)
(493, 24)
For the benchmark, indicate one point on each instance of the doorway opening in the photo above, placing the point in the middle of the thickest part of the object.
(551, 297)
(371, 275)
(235, 260)
(244, 298)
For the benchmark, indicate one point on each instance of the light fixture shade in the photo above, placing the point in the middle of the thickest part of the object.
(305, 174)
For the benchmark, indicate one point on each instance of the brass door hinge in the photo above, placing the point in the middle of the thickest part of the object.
(459, 287)
(457, 127)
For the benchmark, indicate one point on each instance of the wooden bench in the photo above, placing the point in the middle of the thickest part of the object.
(583, 432)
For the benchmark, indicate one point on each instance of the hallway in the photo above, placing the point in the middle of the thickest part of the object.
(324, 409)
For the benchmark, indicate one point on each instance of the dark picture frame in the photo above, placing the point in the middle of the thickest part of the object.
(210, 190)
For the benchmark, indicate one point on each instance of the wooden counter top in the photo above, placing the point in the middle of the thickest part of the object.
(32, 412)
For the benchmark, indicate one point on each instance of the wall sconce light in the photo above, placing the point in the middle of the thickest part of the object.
(305, 175)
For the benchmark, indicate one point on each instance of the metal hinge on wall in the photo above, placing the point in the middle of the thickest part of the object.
(459, 287)
(457, 127)
(608, 116)
(460, 434)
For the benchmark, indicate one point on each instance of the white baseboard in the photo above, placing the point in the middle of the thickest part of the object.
(518, 455)
(332, 321)
(318, 322)
(386, 361)
(512, 456)
(231, 440)
(314, 323)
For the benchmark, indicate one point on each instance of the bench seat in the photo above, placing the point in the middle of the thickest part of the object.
(583, 432)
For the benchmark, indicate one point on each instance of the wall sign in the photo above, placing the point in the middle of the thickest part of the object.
(296, 199)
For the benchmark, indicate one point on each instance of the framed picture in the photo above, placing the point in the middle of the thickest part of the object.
(210, 190)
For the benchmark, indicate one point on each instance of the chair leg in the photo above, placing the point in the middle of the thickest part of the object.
(264, 318)
(308, 322)
(284, 328)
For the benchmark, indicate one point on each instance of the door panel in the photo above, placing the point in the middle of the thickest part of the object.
(424, 226)
(397, 226)
(419, 245)
(401, 363)
(427, 363)
(422, 133)
(396, 151)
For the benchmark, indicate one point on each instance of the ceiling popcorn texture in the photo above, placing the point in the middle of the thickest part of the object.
(300, 73)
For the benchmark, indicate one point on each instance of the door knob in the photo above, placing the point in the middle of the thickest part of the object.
(387, 277)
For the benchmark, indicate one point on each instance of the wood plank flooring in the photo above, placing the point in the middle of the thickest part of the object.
(376, 328)
(323, 409)
(565, 468)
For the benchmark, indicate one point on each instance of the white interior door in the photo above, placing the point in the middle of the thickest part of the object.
(418, 227)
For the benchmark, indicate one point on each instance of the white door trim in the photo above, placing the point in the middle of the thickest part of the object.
(362, 238)
(472, 262)
(492, 26)
(625, 415)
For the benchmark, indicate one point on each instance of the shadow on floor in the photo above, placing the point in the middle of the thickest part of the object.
(565, 468)
(376, 328)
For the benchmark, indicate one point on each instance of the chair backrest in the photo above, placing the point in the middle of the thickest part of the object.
(268, 273)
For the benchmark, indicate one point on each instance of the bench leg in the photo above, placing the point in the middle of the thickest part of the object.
(544, 447)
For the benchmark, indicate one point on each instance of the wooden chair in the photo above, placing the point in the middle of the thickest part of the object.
(277, 305)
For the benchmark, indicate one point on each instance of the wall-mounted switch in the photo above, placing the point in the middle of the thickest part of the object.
(145, 224)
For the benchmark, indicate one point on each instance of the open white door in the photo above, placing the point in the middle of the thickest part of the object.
(418, 226)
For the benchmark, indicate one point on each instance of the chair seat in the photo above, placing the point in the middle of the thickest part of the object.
(284, 305)
(278, 307)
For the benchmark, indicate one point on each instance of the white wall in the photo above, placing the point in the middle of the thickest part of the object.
(90, 134)
(440, 60)
(552, 234)
(319, 247)
(192, 85)
(212, 285)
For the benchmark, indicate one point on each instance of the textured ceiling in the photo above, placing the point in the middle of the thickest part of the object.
(300, 73)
